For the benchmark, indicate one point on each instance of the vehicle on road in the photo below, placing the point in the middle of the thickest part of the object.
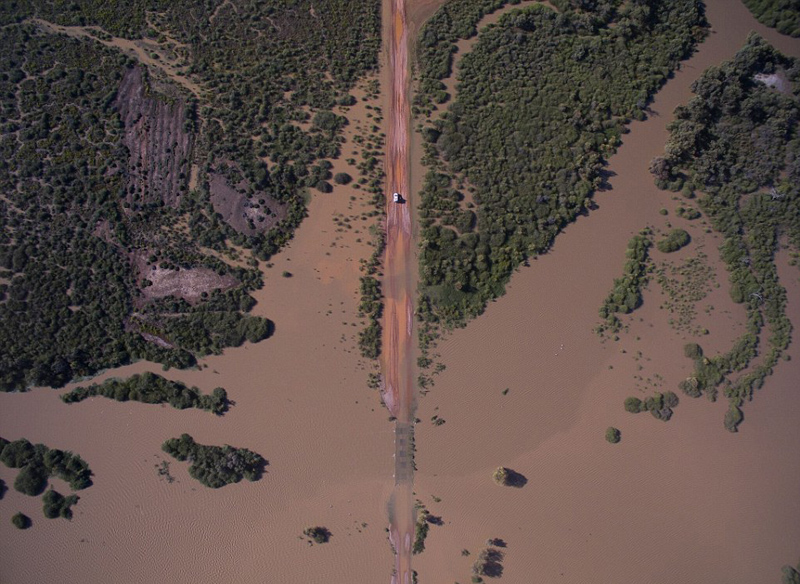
(397, 198)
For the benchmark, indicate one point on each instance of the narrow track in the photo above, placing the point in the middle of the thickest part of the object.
(398, 288)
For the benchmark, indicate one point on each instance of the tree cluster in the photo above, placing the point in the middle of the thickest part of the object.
(70, 226)
(542, 100)
(150, 388)
(37, 463)
(626, 294)
(216, 466)
(782, 15)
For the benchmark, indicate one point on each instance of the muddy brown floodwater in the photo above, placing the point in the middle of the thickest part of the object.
(682, 501)
(301, 402)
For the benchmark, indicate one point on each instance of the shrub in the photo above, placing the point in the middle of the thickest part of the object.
(675, 239)
(342, 178)
(613, 435)
(324, 186)
(733, 417)
(692, 350)
(633, 405)
(21, 521)
(508, 478)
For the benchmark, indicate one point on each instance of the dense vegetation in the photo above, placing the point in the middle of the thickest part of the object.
(57, 505)
(77, 232)
(37, 463)
(737, 144)
(783, 15)
(626, 294)
(216, 466)
(543, 98)
(150, 388)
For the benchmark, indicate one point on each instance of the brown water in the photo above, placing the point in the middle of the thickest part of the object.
(301, 402)
(683, 501)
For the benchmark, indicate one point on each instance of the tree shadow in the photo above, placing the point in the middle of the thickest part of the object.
(515, 479)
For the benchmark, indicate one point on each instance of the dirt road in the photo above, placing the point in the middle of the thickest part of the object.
(398, 393)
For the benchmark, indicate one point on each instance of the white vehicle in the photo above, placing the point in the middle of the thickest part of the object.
(397, 198)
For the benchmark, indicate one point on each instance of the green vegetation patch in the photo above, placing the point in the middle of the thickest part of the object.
(21, 521)
(782, 15)
(673, 241)
(37, 463)
(543, 98)
(216, 466)
(150, 388)
(613, 435)
(660, 405)
(57, 505)
(626, 295)
(736, 143)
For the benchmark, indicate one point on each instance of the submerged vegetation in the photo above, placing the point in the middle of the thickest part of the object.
(782, 15)
(150, 388)
(736, 143)
(101, 247)
(317, 534)
(216, 466)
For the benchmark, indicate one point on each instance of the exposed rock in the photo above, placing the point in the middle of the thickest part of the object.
(159, 147)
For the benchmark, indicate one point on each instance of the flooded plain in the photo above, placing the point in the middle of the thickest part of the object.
(682, 501)
(301, 402)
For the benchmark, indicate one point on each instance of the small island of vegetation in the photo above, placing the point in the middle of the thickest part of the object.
(216, 466)
(150, 388)
(626, 295)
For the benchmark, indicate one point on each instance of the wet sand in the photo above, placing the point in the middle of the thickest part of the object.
(301, 402)
(683, 501)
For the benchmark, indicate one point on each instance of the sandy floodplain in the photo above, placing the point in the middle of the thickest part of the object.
(683, 501)
(301, 402)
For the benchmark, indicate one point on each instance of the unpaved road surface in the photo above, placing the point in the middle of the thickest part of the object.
(398, 289)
